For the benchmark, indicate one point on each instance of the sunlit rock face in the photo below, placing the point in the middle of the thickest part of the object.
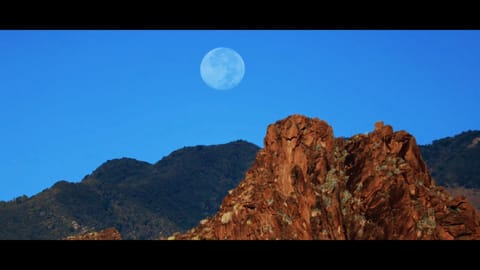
(307, 184)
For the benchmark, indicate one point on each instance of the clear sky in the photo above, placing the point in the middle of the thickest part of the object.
(70, 100)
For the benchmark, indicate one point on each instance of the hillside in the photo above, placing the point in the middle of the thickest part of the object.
(141, 200)
(455, 161)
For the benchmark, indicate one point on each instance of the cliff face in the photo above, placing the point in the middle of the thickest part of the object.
(305, 184)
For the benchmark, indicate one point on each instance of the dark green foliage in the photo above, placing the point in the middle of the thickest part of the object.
(143, 201)
(454, 161)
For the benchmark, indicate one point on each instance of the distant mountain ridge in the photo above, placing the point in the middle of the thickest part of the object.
(141, 200)
(455, 161)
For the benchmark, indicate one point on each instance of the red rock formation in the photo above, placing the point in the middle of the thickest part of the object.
(471, 194)
(107, 234)
(305, 184)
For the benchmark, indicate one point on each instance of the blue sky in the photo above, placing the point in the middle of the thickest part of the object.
(70, 100)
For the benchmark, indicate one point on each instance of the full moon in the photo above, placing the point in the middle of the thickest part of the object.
(222, 68)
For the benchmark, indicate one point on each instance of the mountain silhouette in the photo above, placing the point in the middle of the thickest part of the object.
(141, 200)
(455, 161)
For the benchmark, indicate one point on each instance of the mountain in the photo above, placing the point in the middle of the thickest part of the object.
(141, 200)
(306, 184)
(455, 161)
(145, 201)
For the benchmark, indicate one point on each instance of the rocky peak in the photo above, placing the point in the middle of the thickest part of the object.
(305, 184)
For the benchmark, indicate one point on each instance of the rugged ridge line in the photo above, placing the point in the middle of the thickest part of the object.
(305, 184)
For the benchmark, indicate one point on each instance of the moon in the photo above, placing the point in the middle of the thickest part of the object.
(222, 68)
